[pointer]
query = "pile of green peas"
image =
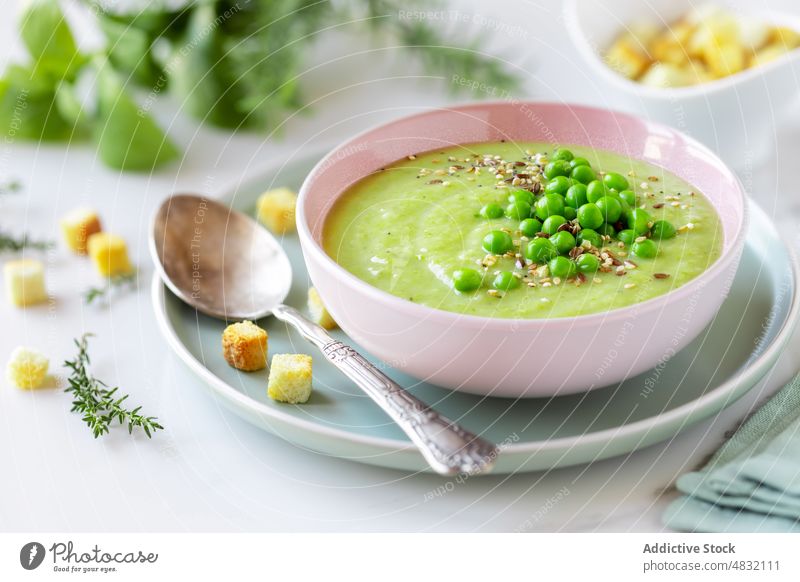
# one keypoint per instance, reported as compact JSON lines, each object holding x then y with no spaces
{"x":602,"y":206}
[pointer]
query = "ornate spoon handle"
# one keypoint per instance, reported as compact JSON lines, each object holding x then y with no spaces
{"x":448,"y":448}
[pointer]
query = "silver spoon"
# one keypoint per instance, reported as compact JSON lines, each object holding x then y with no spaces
{"x":224,"y":264}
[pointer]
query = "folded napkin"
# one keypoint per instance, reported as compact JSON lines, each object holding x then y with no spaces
{"x":752,"y":484}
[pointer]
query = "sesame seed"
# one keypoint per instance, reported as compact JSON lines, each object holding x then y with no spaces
{"x":629,"y":285}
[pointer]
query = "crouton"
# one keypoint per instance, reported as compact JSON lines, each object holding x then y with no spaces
{"x":25,"y":282}
{"x":290,"y":378}
{"x":244,"y":346}
{"x":27,"y":368}
{"x":110,"y":254}
{"x":276,"y":210}
{"x":77,"y":226}
{"x":316,"y":308}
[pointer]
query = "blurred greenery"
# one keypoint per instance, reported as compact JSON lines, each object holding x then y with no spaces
{"x":231,"y":64}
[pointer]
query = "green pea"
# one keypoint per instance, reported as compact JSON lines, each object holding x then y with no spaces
{"x":564,"y":241}
{"x":639,"y":220}
{"x":616,"y":181}
{"x":610,"y":208}
{"x":582,"y":174}
{"x":563,"y":154}
{"x":628,"y":196}
{"x":607,"y":230}
{"x":575,"y":162}
{"x":587,"y":263}
{"x":592,"y":236}
{"x":561,"y":267}
{"x":498,"y":242}
{"x":552,"y":223}
{"x":662,"y":229}
{"x":505,"y":281}
{"x":570,"y":213}
{"x":627,"y":236}
{"x":557,"y":168}
{"x":646,"y":249}
{"x":589,"y":216}
{"x":540,"y":250}
{"x":523,"y":195}
{"x":492,"y":210}
{"x":518,"y":210}
{"x":576,"y":195}
{"x":549,"y":205}
{"x":466,"y":280}
{"x":595,"y":190}
{"x":530,"y":226}
{"x":558,"y":185}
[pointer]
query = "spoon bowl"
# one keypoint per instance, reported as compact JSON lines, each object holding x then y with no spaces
{"x":221,"y":262}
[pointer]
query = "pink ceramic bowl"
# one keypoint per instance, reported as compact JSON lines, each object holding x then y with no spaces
{"x":521,"y":357}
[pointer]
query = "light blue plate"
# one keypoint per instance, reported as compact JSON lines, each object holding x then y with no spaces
{"x":728,"y":359}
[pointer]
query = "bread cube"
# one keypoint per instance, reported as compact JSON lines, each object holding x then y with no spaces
{"x":244,"y":346}
{"x":25,"y":282}
{"x":276,"y":210}
{"x":625,"y":59}
{"x":724,"y":59}
{"x":670,"y":46}
{"x":110,"y":254}
{"x":27,"y":368}
{"x":316,"y":308}
{"x":767,"y":54}
{"x":753,"y":33}
{"x":290,"y":378}
{"x":787,"y":37}
{"x":665,"y":75}
{"x":77,"y":226}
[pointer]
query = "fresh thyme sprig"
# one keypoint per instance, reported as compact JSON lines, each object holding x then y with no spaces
{"x":97,"y":402}
{"x":11,"y":243}
{"x":10,"y":187}
{"x":116,"y":282}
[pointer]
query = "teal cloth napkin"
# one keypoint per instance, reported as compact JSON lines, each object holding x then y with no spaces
{"x":752,"y":484}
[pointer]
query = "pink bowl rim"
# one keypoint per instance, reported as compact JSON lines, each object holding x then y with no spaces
{"x":310,"y":245}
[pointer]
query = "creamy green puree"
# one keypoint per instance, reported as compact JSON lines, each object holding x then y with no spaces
{"x":417,"y":229}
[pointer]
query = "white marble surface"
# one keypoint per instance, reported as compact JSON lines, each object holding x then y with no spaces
{"x":211,"y":471}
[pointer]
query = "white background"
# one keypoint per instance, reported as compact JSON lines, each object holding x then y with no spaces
{"x":211,"y":471}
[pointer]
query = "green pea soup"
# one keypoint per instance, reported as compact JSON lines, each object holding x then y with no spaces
{"x":407,"y":228}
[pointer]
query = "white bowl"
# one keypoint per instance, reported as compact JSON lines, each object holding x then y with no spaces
{"x":735,"y":116}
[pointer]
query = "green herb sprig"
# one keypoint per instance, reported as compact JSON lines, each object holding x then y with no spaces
{"x":10,"y":187}
{"x":98,"y":403}
{"x":13,"y":243}
{"x":117,"y":282}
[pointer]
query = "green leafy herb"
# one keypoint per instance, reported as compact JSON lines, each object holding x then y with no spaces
{"x":13,"y":243}
{"x":127,"y":138}
{"x":229,"y":63}
{"x":94,"y":293}
{"x":10,"y":187}
{"x":99,"y":405}
{"x":38,"y":101}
